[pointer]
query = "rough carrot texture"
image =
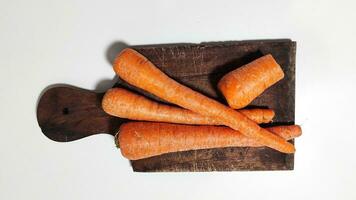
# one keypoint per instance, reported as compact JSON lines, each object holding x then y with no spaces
{"x":244,"y":84}
{"x":139,"y":140}
{"x":287,"y":132}
{"x":258,"y":115}
{"x":125,"y":104}
{"x":137,"y":70}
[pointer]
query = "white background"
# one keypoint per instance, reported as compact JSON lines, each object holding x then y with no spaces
{"x":47,"y":42}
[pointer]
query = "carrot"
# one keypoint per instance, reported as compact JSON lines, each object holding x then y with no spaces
{"x":137,"y":70}
{"x":244,"y":84}
{"x":139,"y":140}
{"x":258,"y":115}
{"x":287,"y":132}
{"x":125,"y":104}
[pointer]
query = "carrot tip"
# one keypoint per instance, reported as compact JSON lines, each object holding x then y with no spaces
{"x":299,"y":130}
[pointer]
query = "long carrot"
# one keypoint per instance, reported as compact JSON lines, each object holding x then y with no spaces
{"x":137,"y":70}
{"x":139,"y":140}
{"x":122,"y":103}
{"x":244,"y":84}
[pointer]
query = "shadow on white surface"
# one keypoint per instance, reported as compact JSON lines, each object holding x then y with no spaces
{"x":114,"y":49}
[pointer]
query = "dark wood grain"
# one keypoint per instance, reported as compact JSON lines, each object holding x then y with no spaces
{"x":222,"y":159}
{"x":66,"y":114}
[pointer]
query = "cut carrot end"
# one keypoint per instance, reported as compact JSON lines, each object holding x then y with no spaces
{"x":242,"y":85}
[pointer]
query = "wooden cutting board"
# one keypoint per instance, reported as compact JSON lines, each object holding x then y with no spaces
{"x":67,"y":113}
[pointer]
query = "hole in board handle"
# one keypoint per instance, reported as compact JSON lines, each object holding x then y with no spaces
{"x":65,"y":111}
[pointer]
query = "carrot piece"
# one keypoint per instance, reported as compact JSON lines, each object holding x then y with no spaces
{"x":137,"y":70}
{"x":244,"y":84}
{"x":287,"y":132}
{"x":122,"y":103}
{"x":258,"y":115}
{"x":139,"y":140}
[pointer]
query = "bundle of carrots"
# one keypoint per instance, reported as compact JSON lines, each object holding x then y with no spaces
{"x":197,"y":122}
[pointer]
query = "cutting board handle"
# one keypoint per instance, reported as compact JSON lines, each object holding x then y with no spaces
{"x":66,"y":113}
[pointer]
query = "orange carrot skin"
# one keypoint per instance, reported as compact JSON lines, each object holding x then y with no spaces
{"x":258,"y":115}
{"x":139,"y":140}
{"x":125,"y":104}
{"x":245,"y":83}
{"x":122,"y":103}
{"x":287,"y":132}
{"x":137,"y":70}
